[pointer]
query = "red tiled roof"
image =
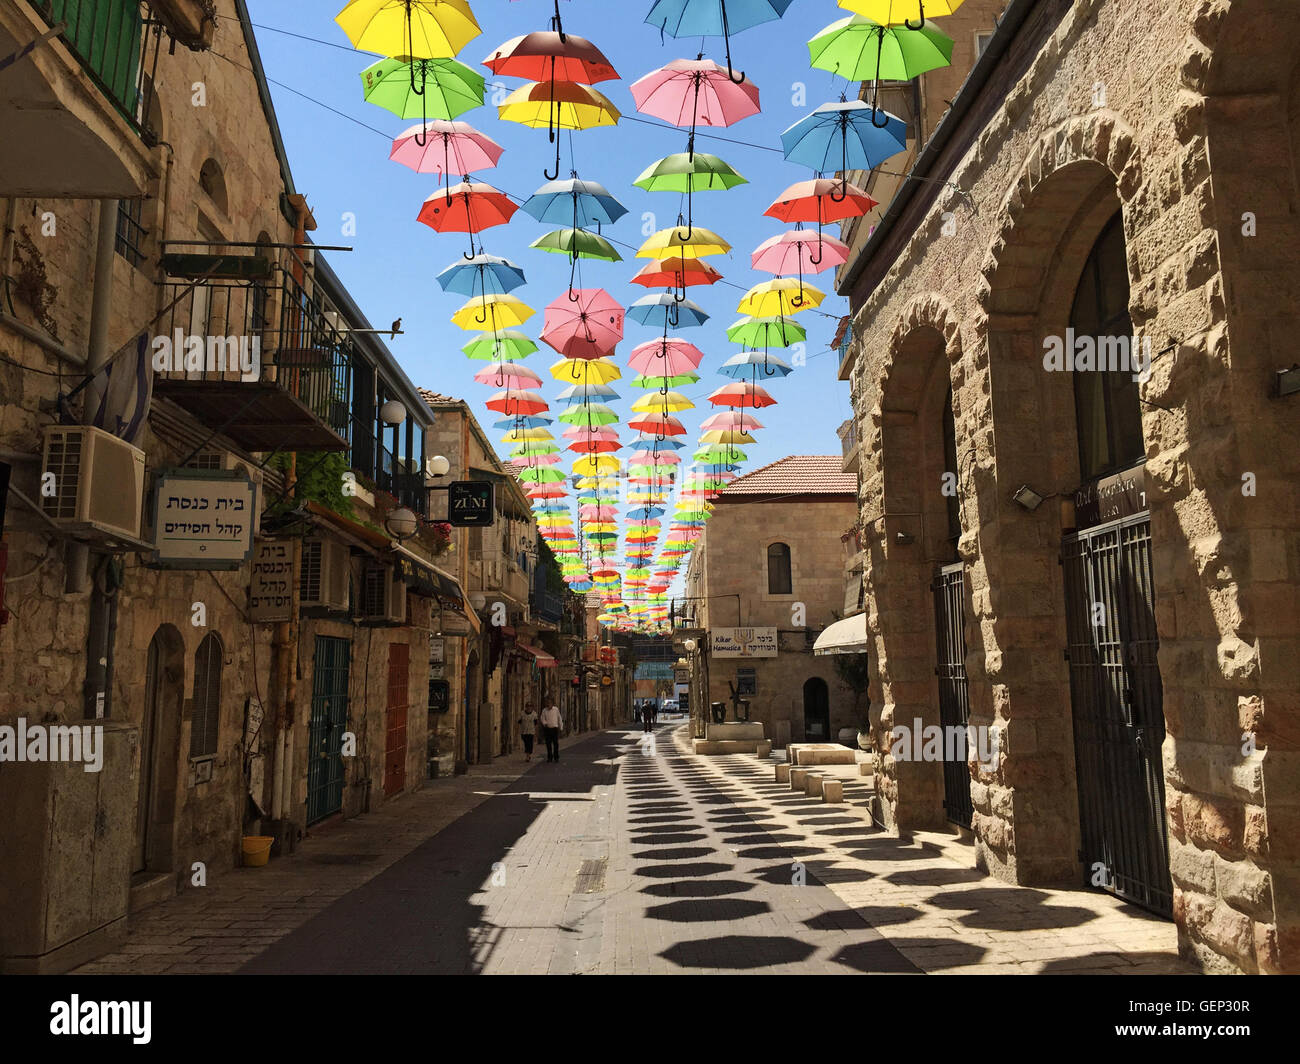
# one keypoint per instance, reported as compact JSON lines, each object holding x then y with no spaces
{"x":434,"y":398}
{"x":799,"y":474}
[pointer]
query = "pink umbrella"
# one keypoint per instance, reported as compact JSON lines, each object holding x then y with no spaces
{"x":659,"y":424}
{"x":603,"y":432}
{"x":730,"y":419}
{"x":507,"y":375}
{"x":587,"y":323}
{"x":796,"y":252}
{"x":666,"y":458}
{"x":516,"y":401}
{"x":668,"y":357}
{"x":738,"y":395}
{"x":442,"y":148}
{"x":695,"y":92}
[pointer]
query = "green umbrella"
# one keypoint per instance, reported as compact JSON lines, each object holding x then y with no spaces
{"x":684,"y":173}
{"x":720,"y":454}
{"x":450,"y":88}
{"x":589,"y":414}
{"x":767,"y":332}
{"x":662,"y":383}
{"x":542,"y":475}
{"x":859,"y":49}
{"x":578,"y":243}
{"x":504,"y":345}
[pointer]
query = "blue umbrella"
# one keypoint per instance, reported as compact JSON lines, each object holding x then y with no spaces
{"x":714,"y":18}
{"x":677,"y":314}
{"x":574,"y":203}
{"x":524,"y":421}
{"x":844,"y":136}
{"x":481,"y":275}
{"x":750,"y":364}
{"x":643,"y":441}
{"x":578,"y":393}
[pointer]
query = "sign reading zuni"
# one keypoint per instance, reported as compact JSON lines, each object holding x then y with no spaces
{"x":471,"y":504}
{"x":743,"y":642}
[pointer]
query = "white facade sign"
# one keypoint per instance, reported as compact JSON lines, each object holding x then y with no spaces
{"x":742,"y":642}
{"x":204,"y":519}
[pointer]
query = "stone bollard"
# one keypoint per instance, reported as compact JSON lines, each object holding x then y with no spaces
{"x":764,"y":748}
{"x":833,"y":791}
{"x":866,"y":768}
{"x":813,"y":785}
{"x":798,"y":778}
{"x":782,"y":773}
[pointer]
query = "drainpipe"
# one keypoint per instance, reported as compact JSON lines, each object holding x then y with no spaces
{"x":101,"y":626}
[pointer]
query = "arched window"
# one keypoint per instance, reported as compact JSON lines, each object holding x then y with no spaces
{"x":778,"y":570}
{"x":213,"y":182}
{"x":1107,"y":411}
{"x":206,"y":717}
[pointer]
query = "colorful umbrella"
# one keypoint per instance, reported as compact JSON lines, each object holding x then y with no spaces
{"x":482,"y":275}
{"x":662,"y":382}
{"x":860,"y":49}
{"x":678,"y":313}
{"x":549,"y":55}
{"x":730,"y":419}
{"x":665,"y":357}
{"x":662,"y":402}
{"x":673,"y":243}
{"x":767,"y":332}
{"x":779,"y":297}
{"x":517,"y":401}
{"x":753,"y":364}
{"x":590,"y":415}
{"x":912,"y":13}
{"x":793,"y":252}
{"x":445,"y":148}
{"x":738,"y":395}
{"x":844,"y":136}
{"x":558,"y":105}
{"x":686,"y":173}
{"x":496,"y":311}
{"x":498,"y":345}
{"x":695,"y":92}
{"x":714,"y":18}
{"x":411,"y":29}
{"x":467,"y":208}
{"x":447,"y":88}
{"x":659,"y":424}
{"x":580,"y":392}
{"x":679,"y":275}
{"x":577,"y":204}
{"x":577,"y":244}
{"x":507,"y":375}
{"x":821,"y":201}
{"x":594,"y":371}
{"x":586,"y":324}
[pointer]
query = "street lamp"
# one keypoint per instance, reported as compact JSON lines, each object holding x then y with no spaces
{"x":401,"y":523}
{"x":690,"y":646}
{"x":392,"y":413}
{"x":437,"y":466}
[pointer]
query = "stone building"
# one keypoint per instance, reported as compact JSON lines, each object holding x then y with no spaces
{"x":764,"y":579}
{"x":253,"y":678}
{"x":1098,"y":556}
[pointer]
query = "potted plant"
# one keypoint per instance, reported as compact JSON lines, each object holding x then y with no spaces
{"x":854,"y":671}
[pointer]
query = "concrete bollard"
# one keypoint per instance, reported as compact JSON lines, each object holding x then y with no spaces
{"x":813,"y":785}
{"x":764,"y":748}
{"x":798,"y":778}
{"x":782,"y":773}
{"x":833,"y":791}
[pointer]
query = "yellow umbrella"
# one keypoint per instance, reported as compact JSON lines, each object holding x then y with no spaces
{"x":895,"y":12}
{"x":662,"y":402}
{"x":594,"y":465}
{"x":418,"y":29}
{"x":585,"y":371}
{"x":518,"y":435}
{"x":558,"y":105}
{"x":726,"y":436}
{"x":492,"y":312}
{"x":682,"y":242}
{"x":780,"y":297}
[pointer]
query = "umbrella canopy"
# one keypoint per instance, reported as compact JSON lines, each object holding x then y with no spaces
{"x":726,"y":436}
{"x":695,"y":92}
{"x":541,"y":476}
{"x":482,"y":275}
{"x":469,"y":207}
{"x":677,"y":242}
{"x":579,"y":392}
{"x":579,"y":243}
{"x":911,"y":12}
{"x":860,"y":49}
{"x":665,"y":357}
{"x":662,"y":382}
{"x":415,"y":29}
{"x":823,"y":200}
{"x":681,"y":274}
{"x":530,"y":421}
{"x":595,"y":445}
{"x":584,"y":432}
{"x":679,"y":313}
{"x":494,"y":311}
{"x":730,"y":419}
{"x":593,"y":371}
{"x":587,"y":323}
{"x":517,"y":401}
{"x":547,"y":55}
{"x":659,"y":424}
{"x":686,"y":172}
{"x":767,"y":332}
{"x":750,"y":365}
{"x":798,"y":252}
{"x":662,"y":403}
{"x":597,"y":464}
{"x":507,"y":375}
{"x":738,"y":395}
{"x":590,"y":414}
{"x":710,"y":18}
{"x":422,"y":88}
{"x":779,"y":297}
{"x":442,"y":148}
{"x":500,"y":344}
{"x":558,"y":105}
{"x":577,"y":204}
{"x":844,"y":136}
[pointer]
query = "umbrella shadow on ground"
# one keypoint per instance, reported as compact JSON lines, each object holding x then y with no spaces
{"x":738,"y":952}
{"x":1011,"y":908}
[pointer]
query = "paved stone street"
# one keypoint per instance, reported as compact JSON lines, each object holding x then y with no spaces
{"x":625,"y":860}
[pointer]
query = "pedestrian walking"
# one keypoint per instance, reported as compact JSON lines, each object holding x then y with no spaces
{"x":529,"y":724}
{"x":551,"y":724}
{"x":647,"y":716}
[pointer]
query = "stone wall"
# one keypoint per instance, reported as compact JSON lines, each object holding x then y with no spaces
{"x":1180,"y":115}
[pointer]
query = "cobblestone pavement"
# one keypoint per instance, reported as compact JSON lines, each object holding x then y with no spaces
{"x":628,"y":859}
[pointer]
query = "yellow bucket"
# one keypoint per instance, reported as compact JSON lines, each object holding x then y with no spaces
{"x":257,"y":850}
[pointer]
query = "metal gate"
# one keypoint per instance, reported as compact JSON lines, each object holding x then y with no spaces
{"x":954,"y":693}
{"x":329,"y":718}
{"x":1119,"y":723}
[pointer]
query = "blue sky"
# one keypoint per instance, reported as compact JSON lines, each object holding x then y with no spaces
{"x":342,"y":167}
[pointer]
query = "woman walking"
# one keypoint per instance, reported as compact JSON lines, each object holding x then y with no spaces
{"x":529,"y":725}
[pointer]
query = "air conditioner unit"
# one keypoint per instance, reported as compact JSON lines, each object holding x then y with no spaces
{"x":325,"y":576}
{"x":383,"y":595}
{"x":98,"y":480}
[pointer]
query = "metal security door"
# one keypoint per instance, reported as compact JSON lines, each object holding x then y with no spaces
{"x":329,"y":717}
{"x":399,"y":696}
{"x":954,"y":693}
{"x":1119,"y":721}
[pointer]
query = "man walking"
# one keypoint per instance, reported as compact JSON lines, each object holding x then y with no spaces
{"x":551,"y":724}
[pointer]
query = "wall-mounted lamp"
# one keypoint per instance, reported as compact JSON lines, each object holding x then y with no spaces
{"x":392,"y":413}
{"x":1028,"y":497}
{"x":401,"y":523}
{"x":690,"y":645}
{"x":478,"y":601}
{"x":1288,"y":381}
{"x":437,"y":466}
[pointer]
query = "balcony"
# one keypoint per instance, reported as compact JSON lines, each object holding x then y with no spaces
{"x":547,"y":606}
{"x":75,"y":105}
{"x":403,"y":479}
{"x":493,"y":573}
{"x":276,"y":369}
{"x":848,"y":433}
{"x":854,"y":570}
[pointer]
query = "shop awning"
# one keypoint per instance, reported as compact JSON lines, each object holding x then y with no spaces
{"x":544,"y":660}
{"x":848,"y":636}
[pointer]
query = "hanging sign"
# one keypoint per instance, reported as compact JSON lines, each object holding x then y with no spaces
{"x":1111,"y":498}
{"x":471,"y":504}
{"x":203,"y":519}
{"x":270,"y":588}
{"x":742,"y":642}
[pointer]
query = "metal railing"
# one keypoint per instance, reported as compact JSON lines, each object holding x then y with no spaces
{"x":547,"y":605}
{"x":402,"y":479}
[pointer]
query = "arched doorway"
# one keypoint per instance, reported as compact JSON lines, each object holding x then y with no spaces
{"x":159,"y":744}
{"x":816,"y":710}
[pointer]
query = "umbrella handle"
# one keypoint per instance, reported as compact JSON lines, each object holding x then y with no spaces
{"x":726,"y":36}
{"x":920,"y":10}
{"x":546,"y":173}
{"x":821,"y":247}
{"x":672,"y":317}
{"x":878,"y":125}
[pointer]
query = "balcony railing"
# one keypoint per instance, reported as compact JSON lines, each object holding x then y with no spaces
{"x":547,"y":606}
{"x":403,"y":480}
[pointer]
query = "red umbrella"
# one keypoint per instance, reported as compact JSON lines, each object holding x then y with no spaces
{"x":680,"y":274}
{"x":660,"y":424}
{"x":821,"y":200}
{"x":739,"y":395}
{"x":516,"y":401}
{"x":586,"y":324}
{"x":469,"y":207}
{"x":548,"y":55}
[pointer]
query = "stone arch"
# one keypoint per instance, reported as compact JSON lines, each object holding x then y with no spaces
{"x":212,"y":181}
